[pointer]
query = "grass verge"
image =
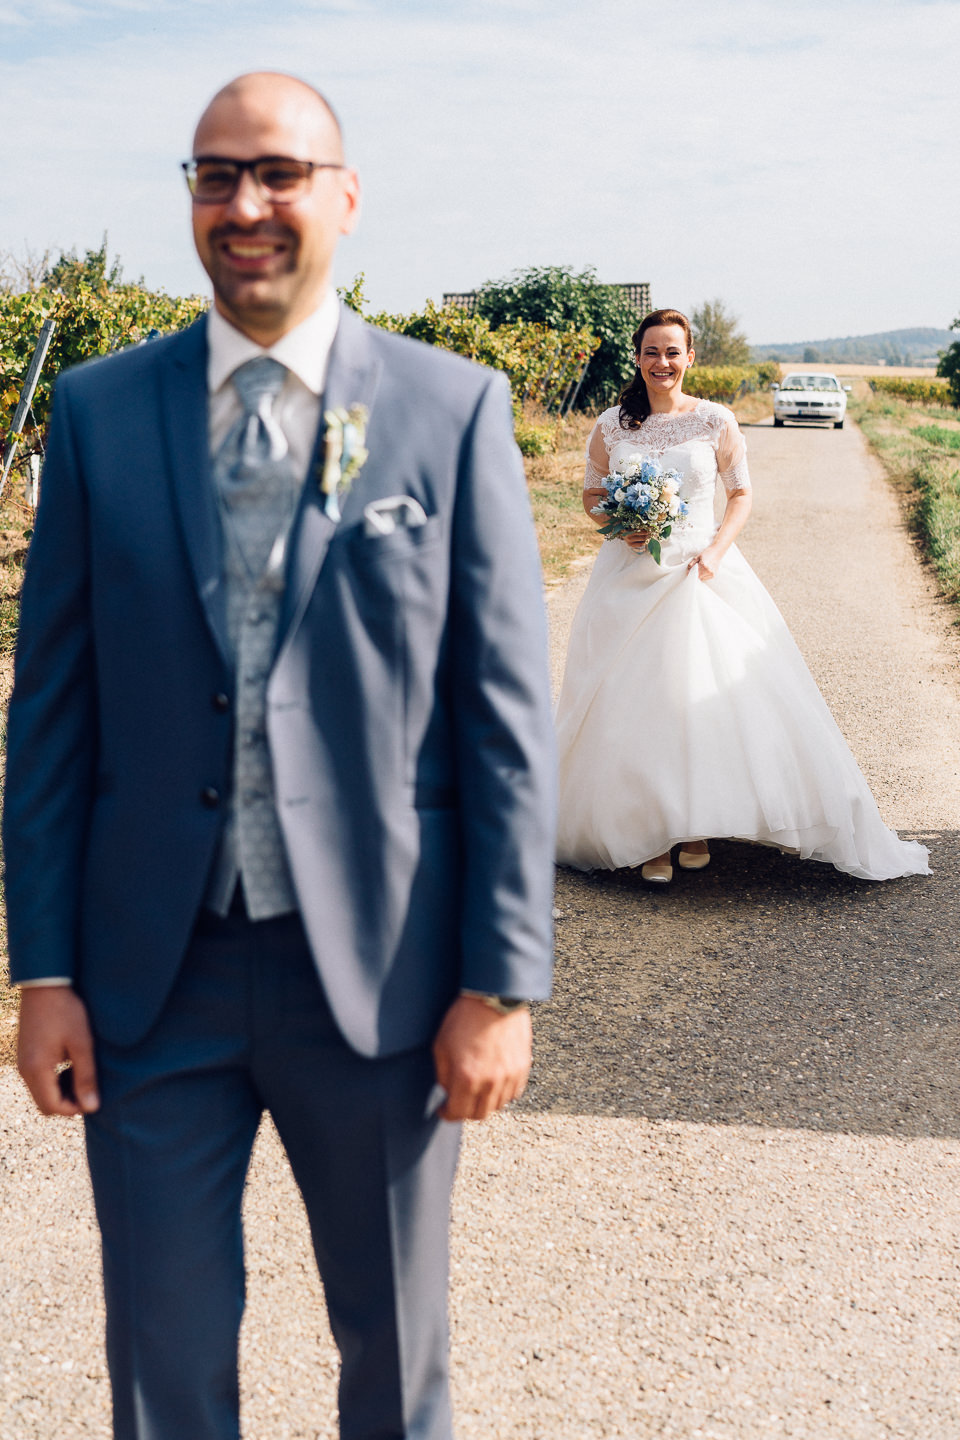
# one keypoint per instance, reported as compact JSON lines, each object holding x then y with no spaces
{"x":555,"y":481}
{"x":919,"y":447}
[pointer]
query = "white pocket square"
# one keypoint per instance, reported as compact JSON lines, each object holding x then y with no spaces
{"x":395,"y":512}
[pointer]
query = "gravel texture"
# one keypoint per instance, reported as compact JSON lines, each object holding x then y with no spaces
{"x":729,"y":1204}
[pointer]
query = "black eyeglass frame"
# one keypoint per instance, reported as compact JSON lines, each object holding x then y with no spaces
{"x":189,"y":168}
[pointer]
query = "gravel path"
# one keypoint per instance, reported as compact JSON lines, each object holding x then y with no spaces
{"x":729,"y":1204}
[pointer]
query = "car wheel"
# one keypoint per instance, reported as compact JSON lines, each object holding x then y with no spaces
{"x":777,"y":421}
{"x":838,"y":424}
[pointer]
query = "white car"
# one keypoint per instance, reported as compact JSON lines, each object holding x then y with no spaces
{"x":810,"y":395}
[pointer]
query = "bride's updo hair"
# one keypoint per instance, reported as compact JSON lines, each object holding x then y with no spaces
{"x":634,"y":400}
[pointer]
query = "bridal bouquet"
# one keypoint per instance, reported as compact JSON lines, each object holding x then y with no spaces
{"x":641,"y":495}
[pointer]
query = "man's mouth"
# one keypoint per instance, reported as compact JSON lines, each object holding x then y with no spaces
{"x":251,"y":249}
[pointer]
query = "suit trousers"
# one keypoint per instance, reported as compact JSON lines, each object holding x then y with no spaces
{"x":247,"y":1029}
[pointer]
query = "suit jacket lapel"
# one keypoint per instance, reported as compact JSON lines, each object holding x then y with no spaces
{"x":352,"y":378}
{"x":183,"y":384}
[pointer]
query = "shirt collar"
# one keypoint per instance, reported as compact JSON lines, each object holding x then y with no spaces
{"x":305,"y":349}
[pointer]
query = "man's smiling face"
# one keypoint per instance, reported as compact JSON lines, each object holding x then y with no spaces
{"x":270,"y":263}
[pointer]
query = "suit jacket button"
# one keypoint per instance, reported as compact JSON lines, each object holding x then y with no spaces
{"x":210,"y":796}
{"x":221,"y":702}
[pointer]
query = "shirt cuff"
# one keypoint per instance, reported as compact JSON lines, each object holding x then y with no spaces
{"x":51,"y":980}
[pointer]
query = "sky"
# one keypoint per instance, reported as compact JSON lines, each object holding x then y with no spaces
{"x":797,"y":162}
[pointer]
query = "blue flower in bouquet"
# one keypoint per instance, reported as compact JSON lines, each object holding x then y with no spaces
{"x":641,"y":495}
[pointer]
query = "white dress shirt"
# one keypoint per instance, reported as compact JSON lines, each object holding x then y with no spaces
{"x":305,"y":351}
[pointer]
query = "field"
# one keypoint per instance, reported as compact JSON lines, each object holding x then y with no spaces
{"x":919,"y":372}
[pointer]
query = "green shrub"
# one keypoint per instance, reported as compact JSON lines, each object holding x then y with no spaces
{"x":912,"y":389}
{"x":555,"y":297}
{"x":542,"y":363}
{"x":89,"y":322}
{"x":719,"y":382}
{"x":949,"y":367}
{"x":534,"y":439}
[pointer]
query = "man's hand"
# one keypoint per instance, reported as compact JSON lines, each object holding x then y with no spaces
{"x":54,"y":1031}
{"x":482,"y":1058}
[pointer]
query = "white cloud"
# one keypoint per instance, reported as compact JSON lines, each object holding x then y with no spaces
{"x":803,"y":173}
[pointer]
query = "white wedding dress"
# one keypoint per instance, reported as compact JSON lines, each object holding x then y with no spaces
{"x":687,"y":711}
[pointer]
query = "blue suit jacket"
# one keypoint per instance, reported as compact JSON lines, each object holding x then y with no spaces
{"x":408,"y":714}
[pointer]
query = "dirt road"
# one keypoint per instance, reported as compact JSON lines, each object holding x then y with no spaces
{"x":729,"y":1205}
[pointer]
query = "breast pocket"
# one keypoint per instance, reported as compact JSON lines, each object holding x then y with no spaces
{"x":405,"y":543}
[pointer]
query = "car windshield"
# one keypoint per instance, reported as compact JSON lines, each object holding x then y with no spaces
{"x":810,"y":382}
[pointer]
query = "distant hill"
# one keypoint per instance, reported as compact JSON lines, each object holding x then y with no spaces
{"x":890,"y":347}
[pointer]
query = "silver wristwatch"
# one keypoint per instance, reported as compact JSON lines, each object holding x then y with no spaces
{"x":503,"y":1004}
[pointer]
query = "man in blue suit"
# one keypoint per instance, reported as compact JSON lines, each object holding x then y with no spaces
{"x":278,"y":815}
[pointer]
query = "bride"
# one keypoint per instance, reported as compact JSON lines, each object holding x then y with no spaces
{"x":686,"y":710}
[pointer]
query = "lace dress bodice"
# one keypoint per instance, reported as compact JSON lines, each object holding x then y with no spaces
{"x":701,"y":444}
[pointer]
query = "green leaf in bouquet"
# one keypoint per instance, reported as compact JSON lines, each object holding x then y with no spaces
{"x":654,"y":548}
{"x":665,"y":531}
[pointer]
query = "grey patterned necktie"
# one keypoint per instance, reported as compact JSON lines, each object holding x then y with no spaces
{"x":257,"y":437}
{"x":253,"y":470}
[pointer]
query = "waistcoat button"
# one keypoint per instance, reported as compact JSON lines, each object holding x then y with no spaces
{"x":210,"y":796}
{"x":220,"y":702}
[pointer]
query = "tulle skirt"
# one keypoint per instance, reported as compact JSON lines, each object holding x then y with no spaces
{"x":687,"y":712}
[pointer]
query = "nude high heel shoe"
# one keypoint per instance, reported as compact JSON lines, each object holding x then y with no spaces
{"x":657,"y":872}
{"x":693,"y":859}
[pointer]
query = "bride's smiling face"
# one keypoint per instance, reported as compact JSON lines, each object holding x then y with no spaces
{"x":663,"y":359}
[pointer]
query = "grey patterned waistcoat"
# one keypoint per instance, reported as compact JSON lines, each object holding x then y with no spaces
{"x":257,"y":493}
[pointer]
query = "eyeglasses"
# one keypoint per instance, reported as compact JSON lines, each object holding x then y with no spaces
{"x":214,"y":181}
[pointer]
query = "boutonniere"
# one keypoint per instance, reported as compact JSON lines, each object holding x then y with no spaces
{"x":343,"y":454}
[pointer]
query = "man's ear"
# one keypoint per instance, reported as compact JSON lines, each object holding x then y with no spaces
{"x":352,"y":198}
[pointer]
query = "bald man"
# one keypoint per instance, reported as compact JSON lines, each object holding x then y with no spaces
{"x":278,"y":818}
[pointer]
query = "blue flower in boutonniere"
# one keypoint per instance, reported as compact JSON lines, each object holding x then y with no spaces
{"x":344,"y":454}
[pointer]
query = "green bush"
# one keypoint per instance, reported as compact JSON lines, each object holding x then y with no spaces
{"x":89,"y":322}
{"x":949,"y":367}
{"x":555,"y":297}
{"x":719,"y":382}
{"x":534,"y":439}
{"x":541,"y":363}
{"x":913,"y":390}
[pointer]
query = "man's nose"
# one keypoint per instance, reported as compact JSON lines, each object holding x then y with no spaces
{"x":249,"y":202}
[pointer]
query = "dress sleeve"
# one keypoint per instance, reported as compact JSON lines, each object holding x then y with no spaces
{"x":732,"y":456}
{"x":598,"y":461}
